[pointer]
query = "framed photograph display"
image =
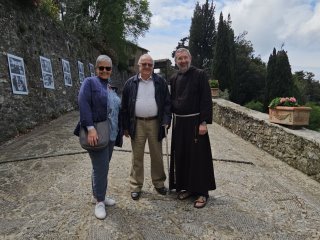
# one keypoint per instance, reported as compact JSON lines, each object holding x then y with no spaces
{"x":81,"y":71}
{"x":91,"y":68}
{"x":66,"y":73}
{"x":47,"y":75}
{"x":17,"y":75}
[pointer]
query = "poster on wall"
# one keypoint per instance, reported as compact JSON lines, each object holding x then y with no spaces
{"x":47,"y":75}
{"x":66,"y":73}
{"x":91,"y":68}
{"x":81,"y":71}
{"x":17,"y":75}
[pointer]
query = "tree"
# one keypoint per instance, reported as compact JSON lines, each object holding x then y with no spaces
{"x":279,"y":82}
{"x":181,"y":44}
{"x":306,"y":88}
{"x":224,"y":57}
{"x":108,"y":23}
{"x":202,"y":36}
{"x":250,"y":72}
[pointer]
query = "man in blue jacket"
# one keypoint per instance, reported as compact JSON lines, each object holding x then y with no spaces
{"x":146,"y":114}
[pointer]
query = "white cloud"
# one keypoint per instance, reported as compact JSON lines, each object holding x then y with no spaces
{"x":269,"y":23}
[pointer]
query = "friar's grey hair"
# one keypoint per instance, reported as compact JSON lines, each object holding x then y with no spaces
{"x":181,"y":50}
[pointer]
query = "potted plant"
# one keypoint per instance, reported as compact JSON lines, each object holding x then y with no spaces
{"x":287,"y":111}
{"x":214,"y":85}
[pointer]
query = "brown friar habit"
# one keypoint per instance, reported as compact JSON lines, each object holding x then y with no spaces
{"x":191,"y":166}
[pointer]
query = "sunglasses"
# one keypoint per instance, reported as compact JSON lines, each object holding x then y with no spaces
{"x":106,"y":68}
{"x":146,"y":64}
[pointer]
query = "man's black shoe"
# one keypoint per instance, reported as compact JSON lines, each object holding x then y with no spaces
{"x":162,"y":190}
{"x":135,"y":195}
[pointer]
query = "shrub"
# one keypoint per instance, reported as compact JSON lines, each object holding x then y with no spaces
{"x":255,"y":105}
{"x":224,"y":94}
{"x":214,"y":83}
{"x":50,"y":8}
{"x":314,"y":121}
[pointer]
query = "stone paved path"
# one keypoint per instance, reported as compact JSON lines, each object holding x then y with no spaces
{"x":45,"y":194}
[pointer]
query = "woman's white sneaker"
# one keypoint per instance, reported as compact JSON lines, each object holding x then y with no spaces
{"x":100,"y":210}
{"x":107,"y":201}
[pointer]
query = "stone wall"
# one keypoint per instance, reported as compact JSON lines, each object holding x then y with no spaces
{"x":299,"y":148}
{"x":29,"y":34}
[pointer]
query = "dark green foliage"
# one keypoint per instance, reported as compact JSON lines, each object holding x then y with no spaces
{"x":250,"y":72}
{"x":224,"y":57}
{"x":50,"y":8}
{"x":254,"y":105}
{"x":28,"y":3}
{"x":108,"y":23}
{"x":213,"y":83}
{"x":279,"y":80}
{"x":308,"y":88}
{"x":314,"y":121}
{"x":202,"y":36}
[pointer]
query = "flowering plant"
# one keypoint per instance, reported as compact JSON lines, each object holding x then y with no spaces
{"x":283,"y":101}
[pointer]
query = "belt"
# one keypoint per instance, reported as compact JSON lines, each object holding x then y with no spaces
{"x":187,"y":115}
{"x":147,"y":118}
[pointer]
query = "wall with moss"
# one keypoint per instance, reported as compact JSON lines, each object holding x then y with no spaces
{"x":27,"y":33}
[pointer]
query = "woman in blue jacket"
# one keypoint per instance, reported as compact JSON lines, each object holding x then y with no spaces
{"x":98,"y":102}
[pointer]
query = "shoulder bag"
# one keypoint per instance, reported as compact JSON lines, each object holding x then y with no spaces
{"x":102,"y":129}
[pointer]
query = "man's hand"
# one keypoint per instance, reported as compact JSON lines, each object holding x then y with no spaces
{"x":126,"y":133}
{"x":203,"y":129}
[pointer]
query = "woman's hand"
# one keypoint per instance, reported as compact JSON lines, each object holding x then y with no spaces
{"x":92,"y":137}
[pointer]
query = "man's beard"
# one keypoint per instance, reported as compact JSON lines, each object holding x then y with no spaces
{"x":184,"y":69}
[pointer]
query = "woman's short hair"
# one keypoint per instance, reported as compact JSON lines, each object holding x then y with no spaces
{"x":103,"y":58}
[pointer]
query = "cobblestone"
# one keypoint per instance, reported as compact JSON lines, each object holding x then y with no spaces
{"x":45,"y":193}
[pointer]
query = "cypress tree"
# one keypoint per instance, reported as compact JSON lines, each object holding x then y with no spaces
{"x":270,"y":79}
{"x":224,"y":56}
{"x":202,"y":35}
{"x":279,"y":81}
{"x":284,"y":76}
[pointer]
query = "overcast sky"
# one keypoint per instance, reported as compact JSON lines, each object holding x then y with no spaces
{"x":269,"y":24}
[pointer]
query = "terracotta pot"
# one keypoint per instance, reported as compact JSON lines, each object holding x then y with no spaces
{"x":215,"y":92}
{"x":294,"y":116}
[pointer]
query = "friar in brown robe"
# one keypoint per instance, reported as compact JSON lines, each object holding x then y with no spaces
{"x":191,"y":166}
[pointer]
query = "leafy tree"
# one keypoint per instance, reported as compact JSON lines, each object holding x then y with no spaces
{"x":306,"y":88}
{"x":108,"y":23}
{"x":250,"y":72}
{"x":202,"y":35}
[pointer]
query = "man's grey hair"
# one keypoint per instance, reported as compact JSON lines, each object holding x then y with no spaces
{"x":179,"y":50}
{"x":103,"y":58}
{"x":146,"y":55}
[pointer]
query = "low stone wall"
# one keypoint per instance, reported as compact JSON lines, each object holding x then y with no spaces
{"x":299,"y":148}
